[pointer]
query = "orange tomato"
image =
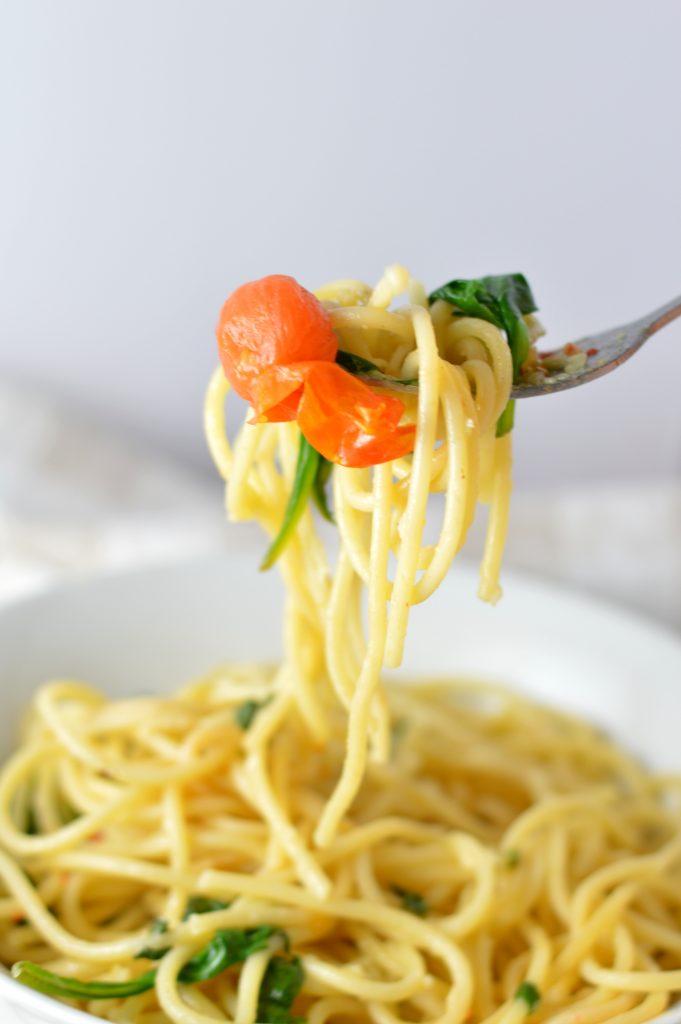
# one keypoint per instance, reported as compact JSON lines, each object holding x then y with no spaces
{"x":350,"y":424}
{"x":266,"y":328}
{"x":278,"y":350}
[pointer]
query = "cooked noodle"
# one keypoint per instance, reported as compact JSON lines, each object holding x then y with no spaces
{"x":448,"y":853}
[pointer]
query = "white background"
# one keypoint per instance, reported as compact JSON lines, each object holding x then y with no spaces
{"x":156,"y":153}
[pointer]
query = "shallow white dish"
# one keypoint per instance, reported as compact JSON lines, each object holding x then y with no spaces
{"x":154,"y":628}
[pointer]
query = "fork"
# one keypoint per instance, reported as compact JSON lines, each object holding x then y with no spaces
{"x":605,"y":352}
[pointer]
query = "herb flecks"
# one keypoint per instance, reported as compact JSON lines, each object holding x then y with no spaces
{"x":511,"y":857}
{"x":246,"y":712}
{"x":411,"y":901}
{"x":529,"y":994}
{"x":398,"y":730}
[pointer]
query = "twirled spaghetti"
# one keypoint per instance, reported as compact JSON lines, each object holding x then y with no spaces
{"x":303,"y":841}
{"x":464,"y":372}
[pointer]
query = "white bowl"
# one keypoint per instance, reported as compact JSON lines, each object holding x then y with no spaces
{"x":155,"y":628}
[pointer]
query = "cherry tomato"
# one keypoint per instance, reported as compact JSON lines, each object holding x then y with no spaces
{"x":278,"y":350}
{"x":350,"y":424}
{"x":266,"y":328}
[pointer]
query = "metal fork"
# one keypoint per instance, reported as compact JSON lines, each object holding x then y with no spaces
{"x":606,"y":351}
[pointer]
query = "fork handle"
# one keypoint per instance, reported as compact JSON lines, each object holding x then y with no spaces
{"x":660,"y":317}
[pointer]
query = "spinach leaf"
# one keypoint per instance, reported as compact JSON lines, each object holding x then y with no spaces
{"x":195,"y":905}
{"x":303,"y":481}
{"x":159,"y":927}
{"x":529,"y":994}
{"x":513,"y":290}
{"x":31,"y":827}
{"x":281,"y":984}
{"x":414,"y":902}
{"x":502,"y":300}
{"x":366,"y":370}
{"x":202,"y":905}
{"x":398,"y":730}
{"x":244,"y":715}
{"x":229,"y":946}
{"x":507,"y":419}
{"x":319,"y":495}
{"x":512,"y":857}
{"x":51,"y":984}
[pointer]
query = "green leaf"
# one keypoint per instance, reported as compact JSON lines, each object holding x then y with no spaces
{"x":51,"y":984}
{"x":399,"y":729}
{"x":246,"y":712}
{"x":515,"y":289}
{"x":270,"y":1013}
{"x":366,"y":370}
{"x":414,"y":902}
{"x":195,"y":905}
{"x":517,"y":334}
{"x":31,"y":827}
{"x":306,"y":470}
{"x":506,"y":420}
{"x":529,"y":994}
{"x":158,"y":927}
{"x":67,"y":813}
{"x":512,"y":857}
{"x":502,"y":300}
{"x":319,"y":495}
{"x":471,"y":298}
{"x":203,"y":905}
{"x":228,"y":946}
{"x":281,"y":984}
{"x":481,"y":296}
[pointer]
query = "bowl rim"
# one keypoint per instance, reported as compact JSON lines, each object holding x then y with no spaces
{"x":513,"y":579}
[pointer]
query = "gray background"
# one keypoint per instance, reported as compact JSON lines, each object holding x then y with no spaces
{"x":156,"y":153}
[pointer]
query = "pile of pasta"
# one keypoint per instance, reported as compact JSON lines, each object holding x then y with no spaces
{"x":305,"y":842}
{"x":503,"y":860}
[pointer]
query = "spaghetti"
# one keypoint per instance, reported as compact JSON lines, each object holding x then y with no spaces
{"x":271,"y":844}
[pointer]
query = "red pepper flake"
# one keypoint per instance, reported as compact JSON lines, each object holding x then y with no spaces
{"x":571,"y":350}
{"x":96,"y":837}
{"x":592,"y":352}
{"x":18,"y":917}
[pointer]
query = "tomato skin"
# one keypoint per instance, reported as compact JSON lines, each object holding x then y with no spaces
{"x":350,"y":424}
{"x":275,"y":394}
{"x":278,"y":350}
{"x":266,"y":327}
